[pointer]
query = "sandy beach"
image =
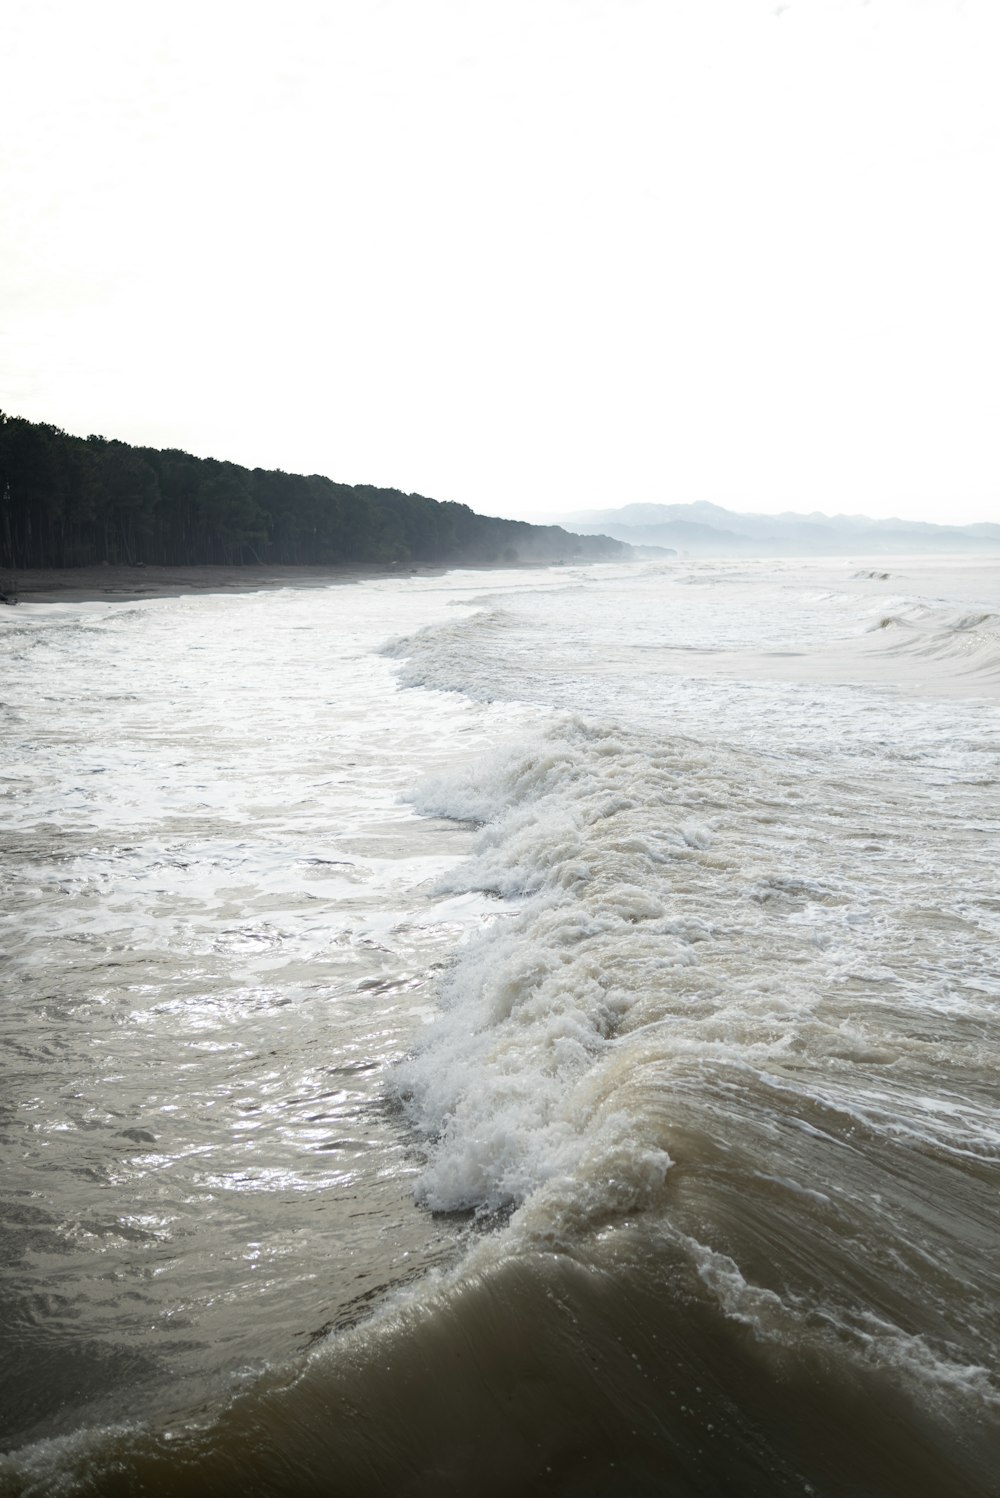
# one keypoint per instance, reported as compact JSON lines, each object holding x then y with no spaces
{"x":121,"y":584}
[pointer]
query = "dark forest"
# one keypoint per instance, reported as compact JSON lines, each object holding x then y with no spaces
{"x":72,"y":502}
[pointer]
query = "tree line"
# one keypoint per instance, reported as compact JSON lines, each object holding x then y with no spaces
{"x":75,"y":501}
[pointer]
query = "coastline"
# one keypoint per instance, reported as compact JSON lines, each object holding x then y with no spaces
{"x":111,"y":584}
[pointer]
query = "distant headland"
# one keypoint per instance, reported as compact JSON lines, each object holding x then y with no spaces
{"x":75,"y":502}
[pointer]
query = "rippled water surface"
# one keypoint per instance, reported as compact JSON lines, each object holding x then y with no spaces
{"x":536,"y":1029}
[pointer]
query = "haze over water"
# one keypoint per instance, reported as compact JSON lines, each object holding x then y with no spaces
{"x":517,"y":1032}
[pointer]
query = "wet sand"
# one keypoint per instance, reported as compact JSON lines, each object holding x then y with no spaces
{"x":123,"y":584}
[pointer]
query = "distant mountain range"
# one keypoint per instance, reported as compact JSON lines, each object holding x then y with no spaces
{"x":704,"y":529}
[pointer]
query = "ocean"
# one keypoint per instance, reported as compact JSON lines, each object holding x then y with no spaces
{"x":507,"y":1032}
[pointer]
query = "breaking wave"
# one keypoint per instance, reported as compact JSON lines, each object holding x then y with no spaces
{"x":968,"y":640}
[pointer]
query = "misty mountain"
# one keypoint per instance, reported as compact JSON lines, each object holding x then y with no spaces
{"x":704,"y":529}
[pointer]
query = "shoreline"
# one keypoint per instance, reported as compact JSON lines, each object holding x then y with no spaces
{"x":122,"y":584}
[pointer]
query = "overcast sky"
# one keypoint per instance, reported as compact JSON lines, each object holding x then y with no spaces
{"x":534,"y":255}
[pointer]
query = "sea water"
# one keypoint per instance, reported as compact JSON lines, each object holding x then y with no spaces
{"x":528,"y":1031}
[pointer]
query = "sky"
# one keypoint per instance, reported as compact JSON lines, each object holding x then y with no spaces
{"x":533,"y":255}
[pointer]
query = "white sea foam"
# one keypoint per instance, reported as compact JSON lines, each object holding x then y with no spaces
{"x":617,"y":895}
